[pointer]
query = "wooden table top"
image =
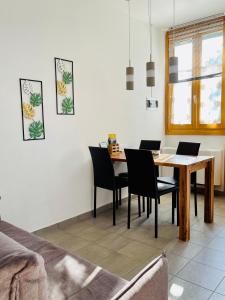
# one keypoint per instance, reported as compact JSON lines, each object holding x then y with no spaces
{"x":169,"y":160}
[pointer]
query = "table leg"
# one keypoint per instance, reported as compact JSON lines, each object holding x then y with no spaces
{"x":209,"y":192}
{"x":184,"y":204}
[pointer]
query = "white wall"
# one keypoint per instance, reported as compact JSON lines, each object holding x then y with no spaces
{"x":44,"y":182}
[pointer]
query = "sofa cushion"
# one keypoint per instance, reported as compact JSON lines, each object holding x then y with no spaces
{"x":69,"y":276}
{"x":151,"y":283}
{"x":22,"y":272}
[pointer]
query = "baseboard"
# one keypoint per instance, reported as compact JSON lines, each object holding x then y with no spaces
{"x":201,"y":190}
{"x":87,"y":215}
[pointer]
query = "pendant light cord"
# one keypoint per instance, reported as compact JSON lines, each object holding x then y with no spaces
{"x":174,"y":11}
{"x":129,"y":32}
{"x":150,"y":26}
{"x":150,"y":30}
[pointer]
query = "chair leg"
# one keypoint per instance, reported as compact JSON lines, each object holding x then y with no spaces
{"x":156,"y":217}
{"x":114,"y":207}
{"x":128,"y":211}
{"x":174,"y":199}
{"x":143,"y":203}
{"x":148,"y":207}
{"x":95,"y":195}
{"x":159,"y":200}
{"x":178,"y":208}
{"x":120,"y":196}
{"x":117,"y":202}
{"x":139,"y":206}
{"x":195,"y":198}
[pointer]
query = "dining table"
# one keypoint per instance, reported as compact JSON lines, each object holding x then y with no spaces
{"x":186,"y":165}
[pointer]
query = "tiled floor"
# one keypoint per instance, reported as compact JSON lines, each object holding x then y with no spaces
{"x":196,"y":268}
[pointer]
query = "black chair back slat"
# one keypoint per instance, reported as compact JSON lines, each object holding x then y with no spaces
{"x":186,"y":148}
{"x":150,"y":145}
{"x":104,"y":176}
{"x":141,"y":173}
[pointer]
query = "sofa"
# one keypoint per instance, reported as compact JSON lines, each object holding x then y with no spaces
{"x":32,"y":268}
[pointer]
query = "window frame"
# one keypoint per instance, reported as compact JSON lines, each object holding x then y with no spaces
{"x":195,"y":128}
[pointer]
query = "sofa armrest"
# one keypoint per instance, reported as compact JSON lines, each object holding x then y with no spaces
{"x":22,"y":272}
{"x":151,"y":283}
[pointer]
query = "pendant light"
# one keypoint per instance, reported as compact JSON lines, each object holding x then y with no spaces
{"x":173,"y":60}
{"x":129,"y":70}
{"x":150,"y":66}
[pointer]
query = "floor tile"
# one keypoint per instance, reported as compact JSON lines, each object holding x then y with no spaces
{"x":139,"y":251}
{"x":202,"y":275}
{"x":207,"y":228}
{"x":185,"y":249}
{"x":211,"y":258}
{"x":113,"y":241}
{"x":221,"y":288}
{"x":201,"y":238}
{"x":176,"y":263}
{"x":180,"y":289}
{"x":92,"y":234}
{"x":218,"y":244}
{"x":93,"y":253}
{"x":121,"y":265}
{"x":216,"y":296}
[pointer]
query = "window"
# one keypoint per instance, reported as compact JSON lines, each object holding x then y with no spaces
{"x":196,"y":103}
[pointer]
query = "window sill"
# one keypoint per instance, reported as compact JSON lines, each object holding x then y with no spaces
{"x":198,"y":131}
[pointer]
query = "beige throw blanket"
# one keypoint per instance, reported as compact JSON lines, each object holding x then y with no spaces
{"x":22,"y":272}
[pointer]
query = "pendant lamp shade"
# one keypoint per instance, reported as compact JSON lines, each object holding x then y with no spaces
{"x":150,"y":66}
{"x":173,"y":69}
{"x":150,"y":73}
{"x":130,"y":69}
{"x":173,"y":60}
{"x":130,"y":78}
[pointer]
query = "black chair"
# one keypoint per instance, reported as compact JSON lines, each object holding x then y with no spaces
{"x":104,"y":176}
{"x":147,"y":145}
{"x":142,"y":181}
{"x":184,"y":148}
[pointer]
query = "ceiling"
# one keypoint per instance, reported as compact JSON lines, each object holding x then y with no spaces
{"x":186,"y":10}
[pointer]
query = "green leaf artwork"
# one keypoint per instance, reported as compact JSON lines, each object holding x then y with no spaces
{"x":67,"y":105}
{"x":35,"y":99}
{"x":36,"y":130}
{"x":67,"y":77}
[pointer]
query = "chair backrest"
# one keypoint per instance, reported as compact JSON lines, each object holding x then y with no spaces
{"x":150,"y":145}
{"x":141,"y":173}
{"x":186,"y":148}
{"x":103,"y":168}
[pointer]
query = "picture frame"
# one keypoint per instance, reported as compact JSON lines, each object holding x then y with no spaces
{"x":32,"y":110}
{"x":64,"y":84}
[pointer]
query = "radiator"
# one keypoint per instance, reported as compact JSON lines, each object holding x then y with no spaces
{"x":219,"y":164}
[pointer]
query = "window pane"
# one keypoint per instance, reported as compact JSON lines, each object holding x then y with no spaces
{"x":184,"y":53}
{"x":181,"y":104}
{"x":212,"y":49}
{"x":210,"y":107}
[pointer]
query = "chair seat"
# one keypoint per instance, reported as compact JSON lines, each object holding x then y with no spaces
{"x":164,"y":188}
{"x":121,"y":182}
{"x":123,"y":174}
{"x":171,"y":180}
{"x":167,"y":180}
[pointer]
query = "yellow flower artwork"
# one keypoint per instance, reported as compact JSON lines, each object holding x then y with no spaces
{"x":28,"y":111}
{"x":61,"y":88}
